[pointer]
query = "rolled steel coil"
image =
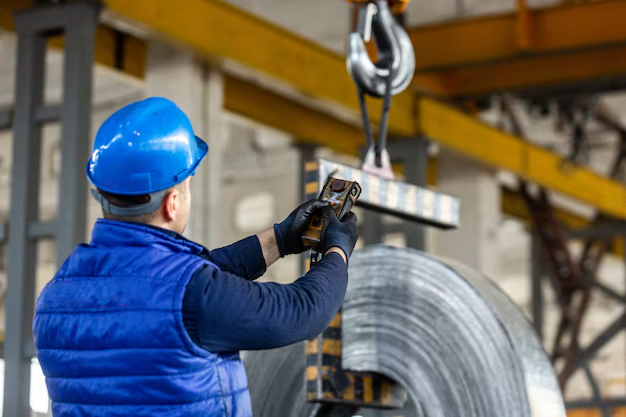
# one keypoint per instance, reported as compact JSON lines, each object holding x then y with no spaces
{"x":457,"y":344}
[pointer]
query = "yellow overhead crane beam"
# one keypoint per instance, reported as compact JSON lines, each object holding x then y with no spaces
{"x":466,"y":135}
{"x":207,"y":27}
{"x":526,"y":50}
{"x":497,"y":38}
{"x":570,"y":72}
{"x":302,"y":122}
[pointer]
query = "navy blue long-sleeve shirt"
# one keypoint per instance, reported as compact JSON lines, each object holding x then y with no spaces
{"x":225,"y":311}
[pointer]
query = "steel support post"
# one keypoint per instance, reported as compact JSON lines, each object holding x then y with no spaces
{"x":6,"y":118}
{"x":78,"y":21}
{"x":213,"y":99}
{"x":371,"y":230}
{"x":24,"y":209}
{"x":3,"y":233}
{"x":414,"y":157}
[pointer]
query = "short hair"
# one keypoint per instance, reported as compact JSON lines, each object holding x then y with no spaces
{"x":134,"y":200}
{"x":127,"y":201}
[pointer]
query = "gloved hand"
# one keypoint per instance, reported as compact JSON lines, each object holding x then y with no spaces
{"x":341,"y":234}
{"x":289,"y":232}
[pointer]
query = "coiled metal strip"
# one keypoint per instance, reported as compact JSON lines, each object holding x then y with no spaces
{"x":442,"y":330}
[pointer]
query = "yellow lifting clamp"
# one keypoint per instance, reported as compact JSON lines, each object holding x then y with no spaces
{"x":388,"y":76}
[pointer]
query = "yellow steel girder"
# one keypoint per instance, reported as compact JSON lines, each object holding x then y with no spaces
{"x":464,"y":134}
{"x":305,"y":124}
{"x":529,"y":74}
{"x":496,"y":38}
{"x":530,"y":50}
{"x":616,"y":412}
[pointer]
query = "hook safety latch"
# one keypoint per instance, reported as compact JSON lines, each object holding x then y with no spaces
{"x":388,"y":76}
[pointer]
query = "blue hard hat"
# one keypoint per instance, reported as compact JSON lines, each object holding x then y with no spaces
{"x":145,"y":147}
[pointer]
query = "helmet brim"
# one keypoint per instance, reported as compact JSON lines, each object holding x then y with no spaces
{"x":202,"y":151}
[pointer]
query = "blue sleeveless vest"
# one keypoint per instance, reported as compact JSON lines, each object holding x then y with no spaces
{"x":110,"y":336}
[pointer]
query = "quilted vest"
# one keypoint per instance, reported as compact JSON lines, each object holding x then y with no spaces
{"x":110,"y":337}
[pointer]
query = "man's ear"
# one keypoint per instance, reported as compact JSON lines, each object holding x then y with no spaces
{"x":171,"y":203}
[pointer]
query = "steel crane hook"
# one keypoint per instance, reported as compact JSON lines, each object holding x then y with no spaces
{"x":396,"y":63}
{"x":390,"y":75}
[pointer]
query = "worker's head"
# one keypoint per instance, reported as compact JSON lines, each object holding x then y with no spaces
{"x":144,"y":156}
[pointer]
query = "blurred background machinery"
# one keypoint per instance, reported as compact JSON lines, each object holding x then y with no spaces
{"x":517,"y":108}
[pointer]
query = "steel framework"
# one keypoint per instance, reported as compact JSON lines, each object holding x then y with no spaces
{"x":33,"y":26}
{"x":572,"y":279}
{"x":580,"y":357}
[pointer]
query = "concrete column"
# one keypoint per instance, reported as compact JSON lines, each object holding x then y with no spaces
{"x":475,"y":242}
{"x":212,"y":169}
{"x":198,"y":89}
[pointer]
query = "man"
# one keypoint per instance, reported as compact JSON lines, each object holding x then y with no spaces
{"x":143,"y":322}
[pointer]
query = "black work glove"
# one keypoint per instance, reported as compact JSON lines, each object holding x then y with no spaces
{"x":289,"y":232}
{"x":341,"y":234}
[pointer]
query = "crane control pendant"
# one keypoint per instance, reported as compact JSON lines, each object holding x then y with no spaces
{"x":342,"y":196}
